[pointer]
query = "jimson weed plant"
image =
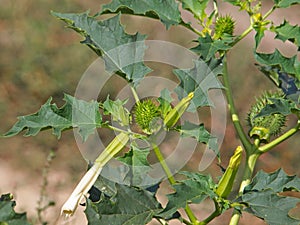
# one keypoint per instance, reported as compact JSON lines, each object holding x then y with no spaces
{"x":141,"y":127}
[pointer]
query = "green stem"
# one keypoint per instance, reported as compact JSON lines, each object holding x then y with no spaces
{"x":249,"y":169}
{"x":243,"y":35}
{"x":135,"y":95}
{"x":185,"y":221}
{"x":234,"y":116}
{"x":172,"y":181}
{"x":250,"y":28}
{"x":191,"y":215}
{"x":215,"y":213}
{"x":280,"y":139}
{"x":188,"y":26}
{"x":251,"y":160}
{"x":136,"y":135}
{"x":163,"y":163}
{"x":269,"y":12}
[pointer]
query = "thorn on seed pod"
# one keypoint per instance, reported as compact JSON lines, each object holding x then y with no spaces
{"x":224,"y":25}
{"x":146,"y":115}
{"x":263,"y":127}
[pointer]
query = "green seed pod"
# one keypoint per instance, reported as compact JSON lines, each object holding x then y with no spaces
{"x":224,"y":25}
{"x":146,"y":114}
{"x":264,"y":127}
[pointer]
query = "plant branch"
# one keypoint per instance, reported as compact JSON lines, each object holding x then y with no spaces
{"x":234,"y":116}
{"x":243,"y":35}
{"x":188,"y":26}
{"x":250,"y":28}
{"x":280,"y":139}
{"x":129,"y":132}
{"x":251,"y":159}
{"x":269,"y":12}
{"x":172,"y":181}
{"x":163,"y":163}
{"x":185,"y":221}
{"x":135,"y":95}
{"x":215,"y":213}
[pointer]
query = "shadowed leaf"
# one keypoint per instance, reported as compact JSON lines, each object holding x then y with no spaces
{"x":129,"y":206}
{"x":8,"y":216}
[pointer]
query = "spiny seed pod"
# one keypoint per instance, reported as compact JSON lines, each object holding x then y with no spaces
{"x":145,"y":114}
{"x":264,"y":127}
{"x":224,"y":25}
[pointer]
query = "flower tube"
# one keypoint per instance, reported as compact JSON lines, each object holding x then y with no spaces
{"x":88,"y":180}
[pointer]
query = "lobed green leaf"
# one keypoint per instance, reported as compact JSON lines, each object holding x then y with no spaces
{"x":279,"y":105}
{"x":138,"y":167}
{"x":195,"y":189}
{"x":8,"y":216}
{"x":74,"y":113}
{"x":123,"y":53}
{"x":129,"y":206}
{"x":117,"y":110}
{"x":267,"y":205}
{"x":165,"y":10}
{"x":286,"y":31}
{"x":199,"y":79}
{"x":165,"y":100}
{"x":196,"y":7}
{"x":200,"y":134}
{"x":260,"y":33}
{"x":262,"y":199}
{"x":278,"y":181}
{"x":285,"y":3}
{"x":276,"y":59}
{"x":207,"y":47}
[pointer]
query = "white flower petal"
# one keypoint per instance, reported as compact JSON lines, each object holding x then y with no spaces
{"x":81,"y":190}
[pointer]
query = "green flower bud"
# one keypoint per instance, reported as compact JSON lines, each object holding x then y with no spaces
{"x":264,"y":127}
{"x":226,"y":181}
{"x":174,"y":114}
{"x":224,"y":25}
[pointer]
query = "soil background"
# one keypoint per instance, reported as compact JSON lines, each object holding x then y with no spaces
{"x":39,"y":58}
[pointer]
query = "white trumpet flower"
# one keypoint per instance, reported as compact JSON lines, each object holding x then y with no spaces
{"x":81,"y":190}
{"x":88,"y":180}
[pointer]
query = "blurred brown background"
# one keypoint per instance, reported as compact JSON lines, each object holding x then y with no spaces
{"x":39,"y":58}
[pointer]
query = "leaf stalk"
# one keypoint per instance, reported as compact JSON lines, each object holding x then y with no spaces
{"x":172,"y":181}
{"x":283,"y":137}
